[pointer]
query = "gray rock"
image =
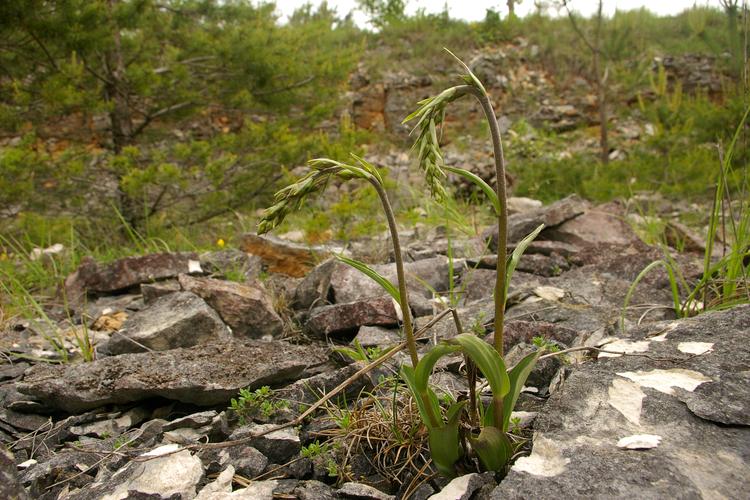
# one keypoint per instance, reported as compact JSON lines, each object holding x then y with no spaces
{"x":127,"y":273}
{"x":247,"y":309}
{"x":203,"y":375}
{"x":350,"y":285}
{"x":193,"y":421}
{"x":314,"y":490}
{"x":463,"y":487}
{"x":246,"y":460}
{"x":601,"y":224}
{"x":523,"y":223}
{"x":24,"y":421}
{"x":377,"y":336}
{"x":113,"y":426}
{"x":315,"y":288}
{"x":152,"y":291}
{"x":186,"y":436}
{"x":579,"y":447}
{"x":9,"y":372}
{"x":163,"y":476}
{"x":343,"y":319}
{"x":308,"y":390}
{"x":232,"y":261}
{"x":279,"y":446}
{"x":39,"y":477}
{"x":542,"y":373}
{"x":10,"y":487}
{"x":359,"y":491}
{"x":181,"y":319}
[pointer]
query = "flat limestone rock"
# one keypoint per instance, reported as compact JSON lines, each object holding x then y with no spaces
{"x":696,"y":405}
{"x":204,"y":375}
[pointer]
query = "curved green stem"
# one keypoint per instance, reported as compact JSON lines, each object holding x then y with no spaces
{"x":404,"y":302}
{"x":502,"y":230}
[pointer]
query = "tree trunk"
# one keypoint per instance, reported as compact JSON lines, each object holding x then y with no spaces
{"x":120,"y":115}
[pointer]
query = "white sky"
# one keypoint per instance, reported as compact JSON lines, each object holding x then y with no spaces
{"x":474,"y":10}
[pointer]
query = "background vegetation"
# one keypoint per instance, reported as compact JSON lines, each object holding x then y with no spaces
{"x":128,"y":125}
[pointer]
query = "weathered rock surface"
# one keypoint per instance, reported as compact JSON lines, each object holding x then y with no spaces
{"x":464,"y":487}
{"x":280,"y":256}
{"x":180,"y":319}
{"x":152,"y":291}
{"x":203,"y":375}
{"x":523,"y":223}
{"x":279,"y":446}
{"x":128,"y":272}
{"x":601,"y":224}
{"x":343,"y":319}
{"x":359,"y":491}
{"x":245,"y":308}
{"x":10,"y":486}
{"x":350,"y":285}
{"x":685,"y":411}
{"x":237,"y":262}
{"x":174,"y":475}
{"x":314,"y":289}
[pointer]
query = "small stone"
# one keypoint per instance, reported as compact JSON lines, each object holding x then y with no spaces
{"x":377,"y":336}
{"x":463,"y":487}
{"x":279,"y":446}
{"x":359,"y":491}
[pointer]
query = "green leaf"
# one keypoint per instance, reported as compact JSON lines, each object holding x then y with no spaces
{"x":445,"y":446}
{"x":422,"y":398}
{"x":479,"y":182}
{"x":487,"y":360}
{"x":517,"y":377}
{"x":373,"y":275}
{"x":521,"y":247}
{"x":493,"y":447}
{"x":427,"y":363}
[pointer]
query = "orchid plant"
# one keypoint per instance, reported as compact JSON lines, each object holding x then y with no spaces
{"x":490,"y":443}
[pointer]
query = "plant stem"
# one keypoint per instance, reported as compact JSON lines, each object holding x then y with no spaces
{"x":502,"y":232}
{"x":502,"y":217}
{"x":404,"y":299}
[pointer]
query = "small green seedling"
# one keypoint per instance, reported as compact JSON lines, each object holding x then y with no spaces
{"x":252,"y":403}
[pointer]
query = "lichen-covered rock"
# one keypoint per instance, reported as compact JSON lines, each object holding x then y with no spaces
{"x":205,"y":375}
{"x":161,"y":473}
{"x":644,"y":426}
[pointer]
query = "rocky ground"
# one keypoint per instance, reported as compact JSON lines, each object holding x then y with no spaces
{"x":662,"y":414}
